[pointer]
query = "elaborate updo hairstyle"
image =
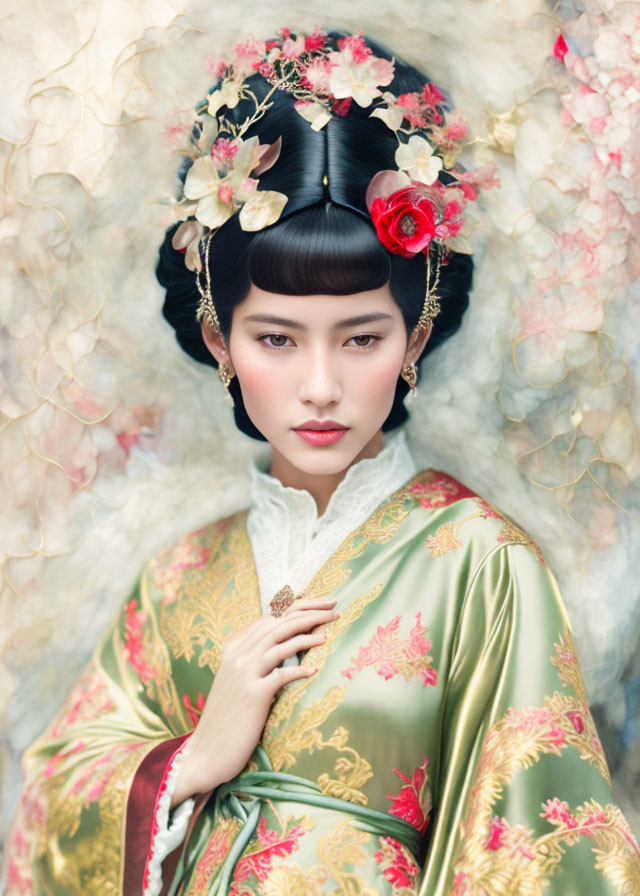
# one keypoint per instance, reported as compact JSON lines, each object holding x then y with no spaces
{"x":324,"y":241}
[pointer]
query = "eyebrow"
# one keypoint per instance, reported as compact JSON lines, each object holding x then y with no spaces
{"x":339,"y":325}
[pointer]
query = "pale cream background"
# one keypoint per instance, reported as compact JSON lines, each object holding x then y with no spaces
{"x":113,"y":443}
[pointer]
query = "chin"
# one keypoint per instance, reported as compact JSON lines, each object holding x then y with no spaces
{"x":325,"y":460}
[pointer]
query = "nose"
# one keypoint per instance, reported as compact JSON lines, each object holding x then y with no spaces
{"x":319,"y":379}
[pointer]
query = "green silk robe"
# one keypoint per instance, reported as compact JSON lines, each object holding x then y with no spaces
{"x":448,"y":695}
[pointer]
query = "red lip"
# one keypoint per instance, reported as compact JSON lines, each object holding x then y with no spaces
{"x":320,"y":425}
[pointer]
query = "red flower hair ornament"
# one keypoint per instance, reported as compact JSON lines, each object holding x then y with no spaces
{"x":412,"y":210}
{"x":405,"y":219}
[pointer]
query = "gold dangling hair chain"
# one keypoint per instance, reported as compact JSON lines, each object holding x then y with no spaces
{"x":206,"y":308}
{"x":431,"y":307}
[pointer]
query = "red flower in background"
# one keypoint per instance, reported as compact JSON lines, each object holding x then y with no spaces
{"x":560,"y":47}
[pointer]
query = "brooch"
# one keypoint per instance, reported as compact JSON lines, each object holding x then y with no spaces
{"x":283,"y":599}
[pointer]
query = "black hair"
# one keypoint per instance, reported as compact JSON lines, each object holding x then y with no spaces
{"x":324,"y":241}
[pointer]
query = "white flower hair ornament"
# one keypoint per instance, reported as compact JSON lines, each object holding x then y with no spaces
{"x":412,"y":210}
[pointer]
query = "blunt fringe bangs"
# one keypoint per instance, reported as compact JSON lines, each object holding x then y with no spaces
{"x":322,"y":250}
{"x":325,"y":241}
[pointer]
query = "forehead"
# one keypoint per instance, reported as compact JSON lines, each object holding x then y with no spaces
{"x":317,"y":310}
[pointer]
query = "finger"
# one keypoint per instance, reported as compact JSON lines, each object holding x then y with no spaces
{"x":282,"y":675}
{"x":280,"y":652}
{"x":295,"y":623}
{"x":251,"y":643}
{"x":254,"y":632}
{"x":311,"y":603}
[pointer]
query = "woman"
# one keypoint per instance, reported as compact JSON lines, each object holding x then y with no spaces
{"x":365,"y":682}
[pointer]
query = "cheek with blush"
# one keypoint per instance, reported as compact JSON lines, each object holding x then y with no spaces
{"x":379,"y":385}
{"x":262,"y":393}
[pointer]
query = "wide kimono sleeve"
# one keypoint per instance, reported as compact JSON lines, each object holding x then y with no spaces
{"x":93,"y":781}
{"x":523,"y":800}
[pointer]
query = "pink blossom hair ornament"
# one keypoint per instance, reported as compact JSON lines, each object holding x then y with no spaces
{"x":413,"y":212}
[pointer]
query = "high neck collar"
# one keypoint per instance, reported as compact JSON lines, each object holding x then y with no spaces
{"x":393,"y":461}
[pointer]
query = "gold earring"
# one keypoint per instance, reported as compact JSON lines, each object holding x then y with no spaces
{"x":226,"y":376}
{"x":410,"y":375}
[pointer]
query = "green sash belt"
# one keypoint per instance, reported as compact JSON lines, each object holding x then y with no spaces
{"x":267,"y":784}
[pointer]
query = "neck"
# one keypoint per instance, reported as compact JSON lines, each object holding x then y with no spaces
{"x":321,"y":485}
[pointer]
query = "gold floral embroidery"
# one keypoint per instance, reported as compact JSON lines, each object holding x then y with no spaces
{"x":210,"y":608}
{"x":351,"y":771}
{"x":512,"y":862}
{"x":581,"y":732}
{"x":282,"y":710}
{"x":160,"y":686}
{"x":511,"y":533}
{"x":94,"y":860}
{"x":434,"y":488}
{"x":445,"y":539}
{"x":304,"y":733}
{"x":291,"y":880}
{"x":340,"y":852}
{"x":274,"y":839}
{"x":213,"y":856}
{"x":88,"y":700}
{"x":191,"y":552}
{"x":379,"y":528}
{"x":91,"y":776}
{"x":342,"y":848}
{"x":566,"y":662}
{"x":500,"y":858}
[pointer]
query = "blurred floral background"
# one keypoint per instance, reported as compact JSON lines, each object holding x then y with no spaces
{"x":112,"y":444}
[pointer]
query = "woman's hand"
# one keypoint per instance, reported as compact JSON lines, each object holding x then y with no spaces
{"x":245,"y":686}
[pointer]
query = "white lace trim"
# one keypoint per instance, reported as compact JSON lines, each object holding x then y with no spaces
{"x":169,"y":834}
{"x":290,"y":542}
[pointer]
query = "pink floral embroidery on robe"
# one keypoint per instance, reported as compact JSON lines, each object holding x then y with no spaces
{"x":391,"y":655}
{"x":413,"y":803}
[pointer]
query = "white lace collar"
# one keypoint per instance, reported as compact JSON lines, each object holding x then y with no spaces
{"x":290,"y":541}
{"x":372,"y":473}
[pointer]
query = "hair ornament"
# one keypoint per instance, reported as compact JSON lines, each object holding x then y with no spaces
{"x":412,"y":210}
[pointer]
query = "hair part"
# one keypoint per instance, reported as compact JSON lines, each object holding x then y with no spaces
{"x":324,"y":242}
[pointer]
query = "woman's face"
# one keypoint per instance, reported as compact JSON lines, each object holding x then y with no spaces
{"x":303,"y":362}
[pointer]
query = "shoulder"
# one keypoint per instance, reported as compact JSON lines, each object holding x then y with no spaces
{"x":500,"y":570}
{"x":456,"y":515}
{"x":190,"y":556}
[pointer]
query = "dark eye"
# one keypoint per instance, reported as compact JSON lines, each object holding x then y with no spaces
{"x":274,"y":340}
{"x":368,"y":340}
